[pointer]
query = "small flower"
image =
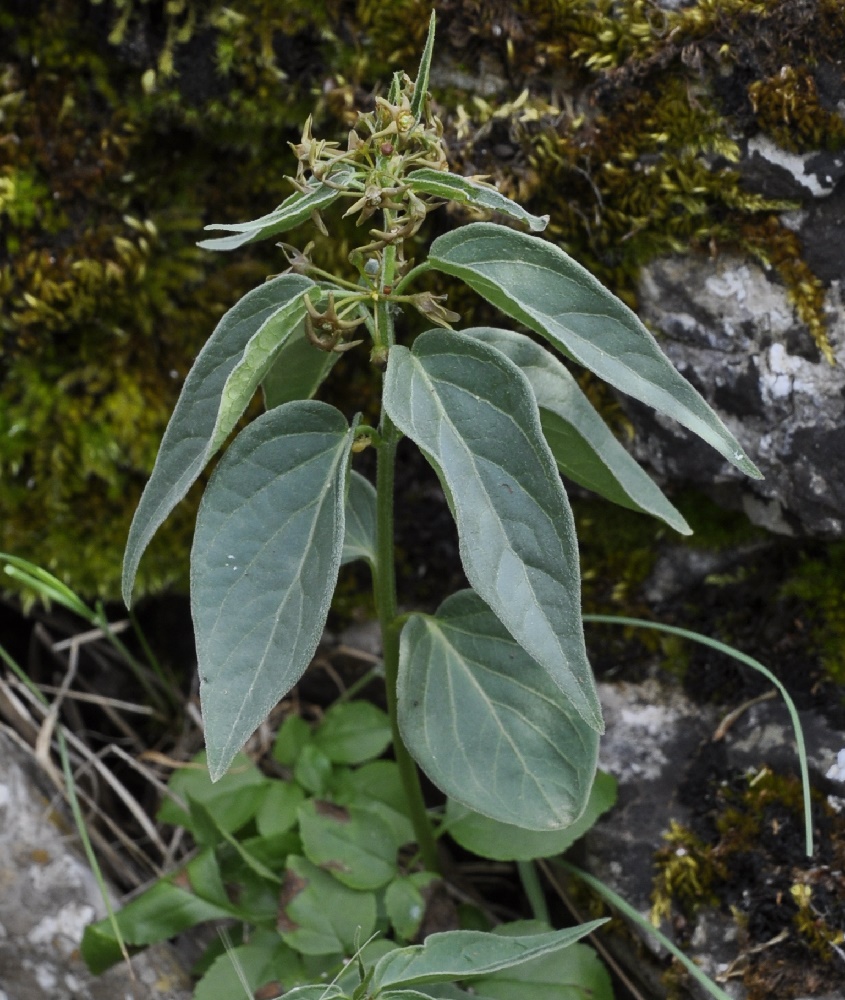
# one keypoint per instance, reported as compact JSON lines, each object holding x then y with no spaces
{"x":429,"y":305}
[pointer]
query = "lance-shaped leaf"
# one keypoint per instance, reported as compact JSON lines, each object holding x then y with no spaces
{"x":264,"y":565}
{"x":421,"y":83}
{"x":360,"y":539}
{"x":297,"y":370}
{"x":292,"y":212}
{"x":466,"y":191}
{"x":455,"y":955}
{"x":263,"y":316}
{"x":473,"y":414}
{"x":581,"y":442}
{"x":518,"y":752}
{"x":538,"y":284}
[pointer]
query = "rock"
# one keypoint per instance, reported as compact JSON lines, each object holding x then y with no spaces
{"x":729,"y":327}
{"x":48,"y":895}
{"x":660,"y":745}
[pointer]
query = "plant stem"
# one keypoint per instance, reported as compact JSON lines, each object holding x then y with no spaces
{"x":533,"y":890}
{"x":385,"y":598}
{"x":384,"y":588}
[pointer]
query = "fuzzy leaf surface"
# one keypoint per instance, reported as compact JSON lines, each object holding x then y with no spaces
{"x":576,"y":974}
{"x":297,"y":370}
{"x":264,"y":565}
{"x":518,"y":751}
{"x":473,"y":414}
{"x":359,"y":542}
{"x":538,"y":284}
{"x":187,"y":444}
{"x":424,"y":71}
{"x":506,"y":842}
{"x":293,"y":211}
{"x":466,"y":191}
{"x":459,"y":955}
{"x":581,"y":442}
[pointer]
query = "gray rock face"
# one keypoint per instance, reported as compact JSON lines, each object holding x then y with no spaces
{"x":47,"y":896}
{"x":655,"y":736}
{"x":729,"y":327}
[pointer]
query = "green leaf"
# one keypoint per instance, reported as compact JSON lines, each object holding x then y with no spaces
{"x":163,"y":911}
{"x":297,"y":371}
{"x":234,"y":799}
{"x":466,"y":191}
{"x":320,"y":916}
{"x":576,"y":974}
{"x":473,"y":414}
{"x":293,"y":211}
{"x":45,"y":585}
{"x":581,"y":442}
{"x":293,"y":736}
{"x":353,"y":732}
{"x":518,"y":752}
{"x":313,"y":770}
{"x":248,"y":967}
{"x":405,"y":903}
{"x":355,"y":844}
{"x":538,"y":284}
{"x":506,"y":842}
{"x":272,"y":310}
{"x":277,"y":812}
{"x":463,"y":954}
{"x":380,"y":786}
{"x":424,"y":71}
{"x":264,"y":565}
{"x":360,"y":539}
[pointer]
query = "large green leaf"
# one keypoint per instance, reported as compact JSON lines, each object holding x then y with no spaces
{"x":264,"y":565}
{"x":519,"y":752}
{"x":507,"y":842}
{"x":575,"y":974}
{"x":234,"y":799}
{"x":267,"y":314}
{"x":473,"y":414}
{"x":360,"y":539}
{"x":293,"y":211}
{"x":297,"y":370}
{"x":466,"y":191}
{"x":581,"y":442}
{"x":538,"y":284}
{"x":463,"y":954}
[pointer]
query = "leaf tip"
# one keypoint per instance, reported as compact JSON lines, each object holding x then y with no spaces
{"x":538,"y":223}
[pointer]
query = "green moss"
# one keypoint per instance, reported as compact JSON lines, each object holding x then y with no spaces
{"x":818,"y":581}
{"x":145,"y":119}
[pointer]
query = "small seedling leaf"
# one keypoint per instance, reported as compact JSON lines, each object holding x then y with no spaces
{"x":320,"y":916}
{"x":353,"y":732}
{"x":356,"y":845}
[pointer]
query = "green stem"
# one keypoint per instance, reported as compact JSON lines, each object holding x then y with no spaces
{"x":533,"y":890}
{"x":385,"y":597}
{"x":384,"y":587}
